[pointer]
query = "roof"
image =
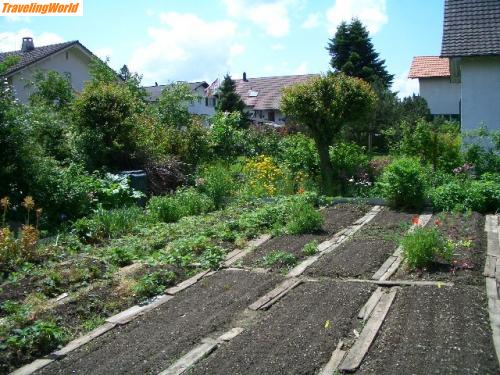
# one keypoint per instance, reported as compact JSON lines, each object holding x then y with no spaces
{"x":37,"y":54}
{"x":471,"y":28}
{"x":265,"y":92}
{"x":154,"y":92}
{"x":429,"y":67}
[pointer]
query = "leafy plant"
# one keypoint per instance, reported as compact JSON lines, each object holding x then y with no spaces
{"x":279,"y":259}
{"x":212,"y":257}
{"x":121,"y":256}
{"x":37,"y":339}
{"x":154,"y":284}
{"x":310,"y":248}
{"x":216,"y":182}
{"x":403,"y":183}
{"x":303,"y":218}
{"x":422,"y":246}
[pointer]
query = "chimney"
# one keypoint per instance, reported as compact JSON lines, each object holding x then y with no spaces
{"x":245,"y":77}
{"x":27,"y":45}
{"x":156,"y":83}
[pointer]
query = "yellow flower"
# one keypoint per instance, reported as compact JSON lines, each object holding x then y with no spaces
{"x":28,"y":203}
{"x":5,"y":203}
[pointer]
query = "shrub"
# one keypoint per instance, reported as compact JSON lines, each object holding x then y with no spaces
{"x":121,"y":256}
{"x":310,"y":248}
{"x":422,"y":246}
{"x":216,"y":182}
{"x":483,"y":196}
{"x":184,"y":202}
{"x":264,"y":177}
{"x":299,"y":154}
{"x":403,"y":183}
{"x":184,"y":251}
{"x":212,"y":257}
{"x":106,"y":224}
{"x":484,"y":161}
{"x":303,"y":218}
{"x":279,"y":259}
{"x":165,"y":176}
{"x":154,"y":284}
{"x":227,"y":138}
{"x":448,"y":197}
{"x":349,"y":161}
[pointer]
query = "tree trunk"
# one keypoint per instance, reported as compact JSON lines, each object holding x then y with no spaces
{"x":328,"y":184}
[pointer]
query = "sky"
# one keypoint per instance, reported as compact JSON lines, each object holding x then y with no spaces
{"x":191,"y":40}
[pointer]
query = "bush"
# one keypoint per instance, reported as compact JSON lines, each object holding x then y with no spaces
{"x":264,"y":177}
{"x":185,"y":251}
{"x":121,"y":256}
{"x":303,"y":218}
{"x":106,"y":224}
{"x":227,"y":139}
{"x":448,"y":197}
{"x":403,"y":183}
{"x":37,"y":339}
{"x":484,"y":161}
{"x":154,"y":284}
{"x":483,"y":196}
{"x":299,"y":154}
{"x":216,"y":182}
{"x":165,"y":176}
{"x":422,"y":246}
{"x":279,"y":259}
{"x":310,"y":248}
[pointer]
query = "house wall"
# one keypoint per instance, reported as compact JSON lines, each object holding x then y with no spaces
{"x":76,"y":63}
{"x":480,"y":92}
{"x":263,"y":116}
{"x":442,"y":96}
{"x":199,"y":106}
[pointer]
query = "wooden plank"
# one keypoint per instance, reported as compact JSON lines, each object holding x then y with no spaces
{"x":367,"y":309}
{"x":337,"y":357}
{"x":493,"y":245}
{"x":491,"y":288}
{"x":490,"y":266}
{"x":274,"y":295}
{"x":231,"y":334}
{"x":399,"y":282}
{"x":249,"y":248}
{"x":383,"y":269}
{"x":491,"y":223}
{"x":190,"y":358}
{"x":355,"y":355}
{"x":186,"y":283}
{"x":30,"y":368}
{"x":392,"y":269}
{"x":126,"y":316}
{"x":75,"y":344}
{"x":302,"y":266}
{"x":497,"y":269}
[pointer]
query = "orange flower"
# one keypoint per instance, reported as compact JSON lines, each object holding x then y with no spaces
{"x":415,"y":220}
{"x":437,"y":222}
{"x":301,"y":190}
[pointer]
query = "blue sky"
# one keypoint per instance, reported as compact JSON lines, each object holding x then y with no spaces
{"x":169,"y":40}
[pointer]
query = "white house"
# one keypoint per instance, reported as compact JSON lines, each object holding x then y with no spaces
{"x":262,"y":96}
{"x":465,"y":79}
{"x":70,"y":59}
{"x":203,"y":105}
{"x":433,"y":74}
{"x":471,"y":40}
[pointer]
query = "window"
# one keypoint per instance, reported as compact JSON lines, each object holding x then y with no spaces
{"x":67,"y":55}
{"x":199,"y":99}
{"x":214,"y":101}
{"x":206,"y":102}
{"x":270,"y":116}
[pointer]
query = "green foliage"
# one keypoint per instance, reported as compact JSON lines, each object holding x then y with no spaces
{"x":100,"y":72}
{"x":403,"y":183}
{"x":212,"y":257}
{"x":216,"y":181}
{"x":121,"y":256}
{"x":154,"y":284}
{"x":325,"y":105}
{"x":437,"y":144}
{"x":106,"y":224}
{"x":279,"y":259}
{"x":104,"y":123}
{"x":484,"y":160}
{"x":448,"y":197}
{"x":299,"y":154}
{"x":352,"y":53}
{"x":51,"y":89}
{"x":227,"y":139}
{"x":230,"y":101}
{"x":184,"y":202}
{"x":185,"y":251}
{"x":422,"y":246}
{"x":310,"y":248}
{"x":37,"y":339}
{"x":173,"y":105}
{"x":349,"y":161}
{"x":303,"y":218}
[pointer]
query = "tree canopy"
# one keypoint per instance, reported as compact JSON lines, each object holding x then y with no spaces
{"x":230,"y":101}
{"x":353,"y":54}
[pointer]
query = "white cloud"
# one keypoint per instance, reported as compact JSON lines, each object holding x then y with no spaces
{"x":373,"y":13}
{"x":277,"y":47}
{"x":186,"y":47}
{"x":271,"y":16}
{"x":301,"y":69}
{"x":311,"y":21}
{"x":15,"y":18}
{"x":404,"y":85}
{"x":11,"y":40}
{"x":104,"y":52}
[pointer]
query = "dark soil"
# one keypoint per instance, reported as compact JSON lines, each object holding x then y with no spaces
{"x":336,"y":218}
{"x":362,"y":255}
{"x":431,"y":330}
{"x":149,"y":344}
{"x":292,"y":338}
{"x":468,"y":262}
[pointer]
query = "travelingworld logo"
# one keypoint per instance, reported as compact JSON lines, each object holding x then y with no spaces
{"x":42,"y":8}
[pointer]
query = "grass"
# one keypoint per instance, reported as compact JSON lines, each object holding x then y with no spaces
{"x":279,"y":259}
{"x":423,"y":247}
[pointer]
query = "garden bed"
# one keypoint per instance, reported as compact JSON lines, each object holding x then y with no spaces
{"x":336,"y":218}
{"x":431,"y":330}
{"x":467,"y":232}
{"x":153,"y":341}
{"x":296,"y":336}
{"x":362,"y":255}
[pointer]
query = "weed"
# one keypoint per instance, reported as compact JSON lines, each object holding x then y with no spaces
{"x":279,"y":259}
{"x":212,"y":257}
{"x":121,"y":256}
{"x":154,"y":284}
{"x":421,"y":247}
{"x":303,"y":218}
{"x":310,"y":248}
{"x":37,"y":339}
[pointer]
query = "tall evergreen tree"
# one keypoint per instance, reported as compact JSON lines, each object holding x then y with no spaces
{"x":352,"y":53}
{"x":229,"y":100}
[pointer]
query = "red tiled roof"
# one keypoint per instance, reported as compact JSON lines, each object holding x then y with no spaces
{"x":265,"y":92}
{"x":429,"y":66}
